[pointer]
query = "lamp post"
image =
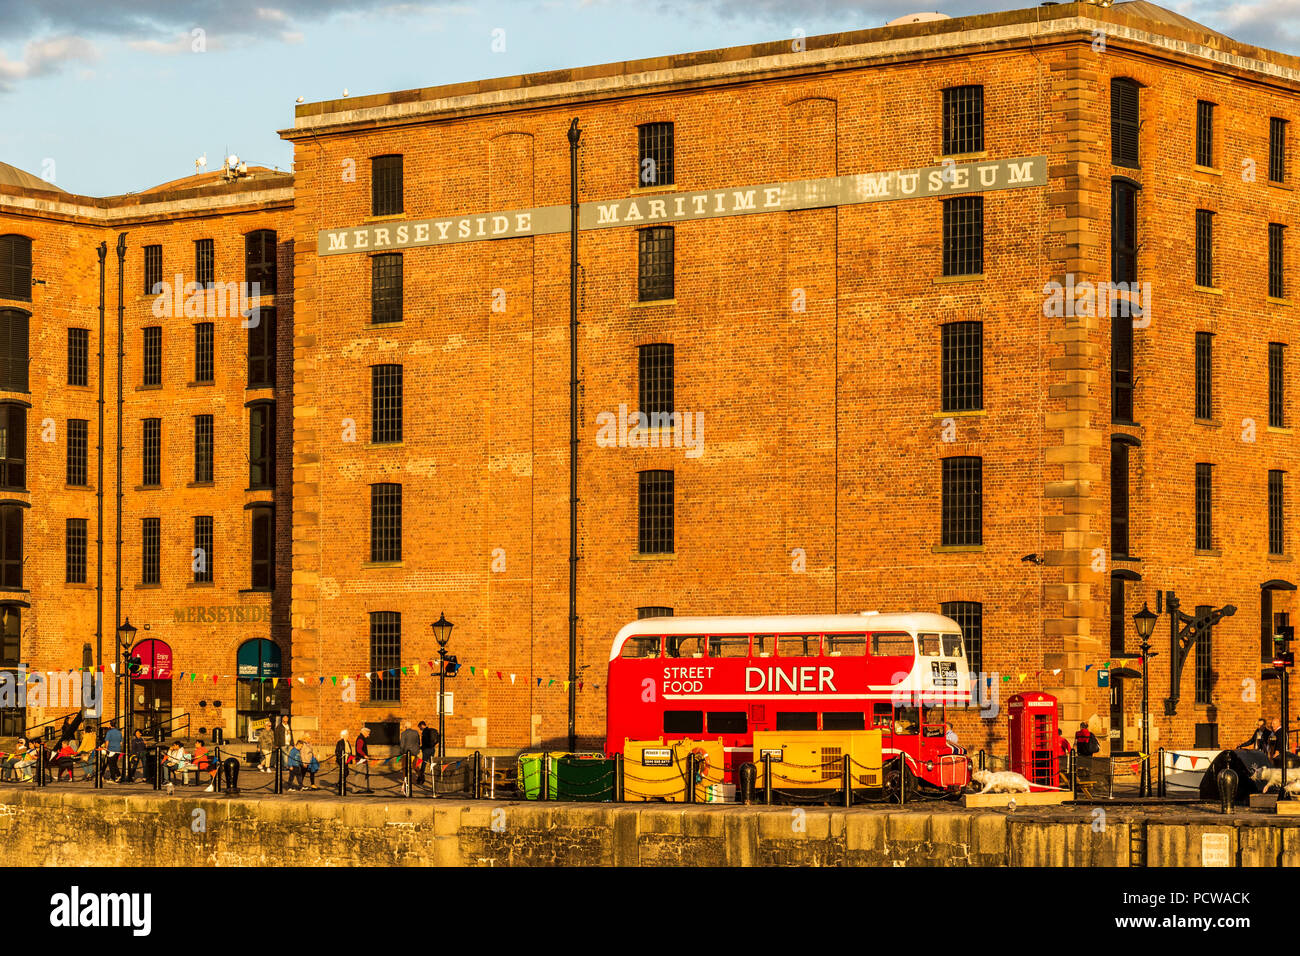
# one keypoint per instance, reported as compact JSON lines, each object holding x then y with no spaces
{"x":442,"y":634}
{"x":125,"y":640}
{"x":1145,"y":620}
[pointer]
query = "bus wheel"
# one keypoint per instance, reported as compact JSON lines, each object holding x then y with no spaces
{"x":894,"y":773}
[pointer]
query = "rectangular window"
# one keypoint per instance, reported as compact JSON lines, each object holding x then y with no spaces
{"x":655,"y":264}
{"x":1276,"y":385}
{"x":795,"y":720}
{"x":261,"y":445}
{"x":963,"y":506}
{"x":963,"y":236}
{"x":653,"y":611}
{"x":1205,"y":376}
{"x":11,"y":547}
{"x":386,"y":186}
{"x":963,"y":120}
{"x":655,"y":363}
{"x":1119,"y":499}
{"x":962,"y":366}
{"x":152,"y":355}
{"x":1204,"y":507}
{"x":1124,"y":123}
{"x":78,"y":431}
{"x":263,"y":556}
{"x":1276,"y":258}
{"x":13,"y":350}
{"x":262,"y":350}
{"x":152,"y":269}
{"x":202,"y":449}
{"x":13,"y":446}
{"x":260,"y":262}
{"x":655,"y":154}
{"x":151,"y":452}
{"x":1121,"y":365}
{"x":1277,"y":130}
{"x":11,"y":632}
{"x":1204,"y":134}
{"x":1267,"y":625}
{"x":1123,"y":232}
{"x":1276,"y":513}
{"x":385,"y":522}
{"x":203,"y":360}
{"x":78,"y":356}
{"x":727,"y":722}
{"x":683,"y":721}
{"x":655,"y":510}
{"x":1205,"y":248}
{"x":386,"y":655}
{"x":1204,"y":653}
{"x":204,"y":262}
{"x":201,"y":558}
{"x":16,"y":268}
{"x":969,"y":616}
{"x":385,"y":404}
{"x":150,"y":553}
{"x":1118,"y":620}
{"x":75,"y":551}
{"x":846,"y":720}
{"x":386,"y":288}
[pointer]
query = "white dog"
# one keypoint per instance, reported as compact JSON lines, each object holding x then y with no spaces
{"x":1272,"y":777}
{"x":1000,"y":781}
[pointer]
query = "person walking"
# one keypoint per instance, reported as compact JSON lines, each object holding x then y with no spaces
{"x":265,"y":744}
{"x":113,"y":744}
{"x":284,"y":735}
{"x":361,"y":757}
{"x":409,"y":747}
{"x":342,"y":753}
{"x":310,"y":764}
{"x":86,"y":753}
{"x":138,"y":747}
{"x":1085,"y":741}
{"x":294,"y":762}
{"x":428,"y":748}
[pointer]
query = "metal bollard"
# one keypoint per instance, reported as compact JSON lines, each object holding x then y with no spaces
{"x":767,"y":779}
{"x":492,"y":780}
{"x":902,"y":781}
{"x":406,"y":774}
{"x":1227,"y":781}
{"x":546,"y":777}
{"x":99,"y":770}
{"x":477,"y":790}
{"x":1160,"y":775}
{"x":218,"y":772}
{"x":618,"y":778}
{"x":690,"y":778}
{"x":157,"y":767}
{"x":848,"y":782}
{"x":278,"y":784}
{"x":982,"y":759}
{"x":40,"y":764}
{"x":747,"y":778}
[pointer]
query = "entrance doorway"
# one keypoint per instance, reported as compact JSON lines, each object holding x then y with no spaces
{"x":260,"y":695}
{"x":149,"y":679}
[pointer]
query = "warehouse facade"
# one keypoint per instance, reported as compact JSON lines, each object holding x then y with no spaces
{"x":840,"y":347}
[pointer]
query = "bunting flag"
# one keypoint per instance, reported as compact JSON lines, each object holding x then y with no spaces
{"x":1086,"y":668}
{"x":1193,"y":760}
{"x":512,"y":678}
{"x":274,"y":682}
{"x":499,"y":677}
{"x":1057,"y":671}
{"x":417,"y":669}
{"x":539,"y":682}
{"x":1022,"y":678}
{"x":471,"y":672}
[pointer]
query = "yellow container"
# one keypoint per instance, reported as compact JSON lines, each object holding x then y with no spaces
{"x":814,"y":759}
{"x":654,"y":770}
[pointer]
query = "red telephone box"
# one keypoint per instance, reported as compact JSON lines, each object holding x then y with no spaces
{"x":1032,"y":733}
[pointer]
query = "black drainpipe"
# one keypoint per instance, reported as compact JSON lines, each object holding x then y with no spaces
{"x":575,"y":134}
{"x":121,"y":355}
{"x":99,"y":489}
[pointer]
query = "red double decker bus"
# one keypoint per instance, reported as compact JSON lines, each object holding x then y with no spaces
{"x":726,"y":677}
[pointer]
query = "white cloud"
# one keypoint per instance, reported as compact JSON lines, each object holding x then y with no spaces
{"x":45,"y":56}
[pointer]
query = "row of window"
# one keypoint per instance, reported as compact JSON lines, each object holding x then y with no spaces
{"x":259,"y":263}
{"x":261,"y":449}
{"x":261,"y":353}
{"x":1126,"y":122}
{"x":201,"y":558}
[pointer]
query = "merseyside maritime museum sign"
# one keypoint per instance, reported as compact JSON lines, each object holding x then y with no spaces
{"x":666,"y":208}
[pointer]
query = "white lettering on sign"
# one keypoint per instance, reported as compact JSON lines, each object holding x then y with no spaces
{"x":890,"y":185}
{"x":1215,"y":849}
{"x":803,"y":680}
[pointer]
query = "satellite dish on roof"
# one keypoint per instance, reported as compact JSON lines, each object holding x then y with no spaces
{"x":917,"y":18}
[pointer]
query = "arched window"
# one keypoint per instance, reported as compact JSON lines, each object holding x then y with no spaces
{"x":16,"y":268}
{"x":13,"y":350}
{"x":259,"y":260}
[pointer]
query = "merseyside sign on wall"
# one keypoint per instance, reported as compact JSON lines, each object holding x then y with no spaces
{"x":666,"y":208}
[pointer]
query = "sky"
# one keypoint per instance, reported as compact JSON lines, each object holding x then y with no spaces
{"x":104,"y":97}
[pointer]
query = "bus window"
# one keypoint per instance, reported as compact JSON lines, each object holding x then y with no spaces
{"x":929,"y":644}
{"x":906,"y":720}
{"x":891,"y":645}
{"x":798,"y":645}
{"x":728,"y":722}
{"x":882,"y":715}
{"x":796,"y":720}
{"x":846,"y":645}
{"x":952,"y":645}
{"x":764,"y":645}
{"x":683,"y":721}
{"x":932,"y":721}
{"x":640,"y":647}
{"x":682,"y":645}
{"x":846,"y":721}
{"x":729,"y":646}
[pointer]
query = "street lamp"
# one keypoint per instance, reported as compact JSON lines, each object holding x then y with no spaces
{"x":1145,"y":621}
{"x":125,"y":638}
{"x":442,"y":634}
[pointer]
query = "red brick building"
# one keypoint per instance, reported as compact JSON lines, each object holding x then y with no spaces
{"x":834,"y":259}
